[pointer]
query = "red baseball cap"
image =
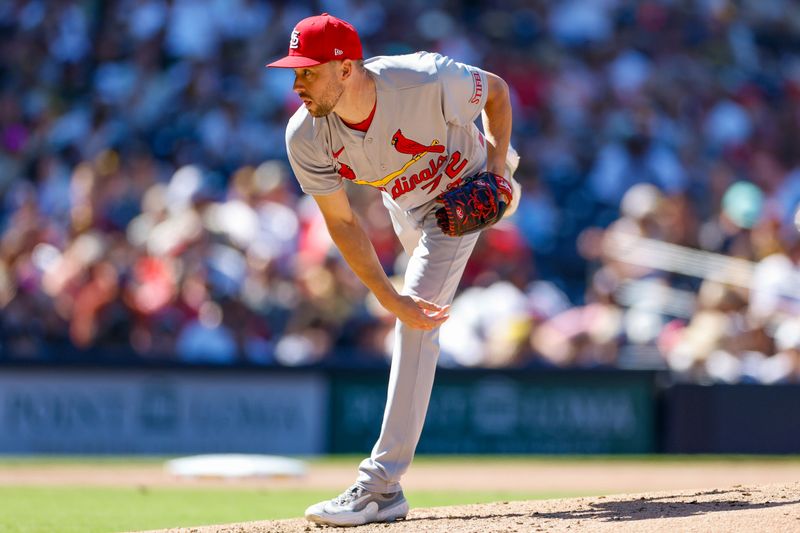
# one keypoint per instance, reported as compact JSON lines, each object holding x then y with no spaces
{"x":319,"y":39}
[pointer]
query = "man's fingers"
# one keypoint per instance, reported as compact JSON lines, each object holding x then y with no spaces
{"x":436,"y":314}
{"x":430,"y":306}
{"x":427,"y":322}
{"x":438,"y":318}
{"x":425,"y":315}
{"x":434,"y":320}
{"x":425,"y":304}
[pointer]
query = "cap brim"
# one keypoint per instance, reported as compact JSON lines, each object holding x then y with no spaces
{"x":294,"y":62}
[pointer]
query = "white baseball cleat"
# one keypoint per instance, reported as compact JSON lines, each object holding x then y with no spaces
{"x":356,"y":506}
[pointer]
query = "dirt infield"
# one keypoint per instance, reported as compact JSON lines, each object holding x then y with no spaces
{"x":766,"y":508}
{"x":650,"y":495}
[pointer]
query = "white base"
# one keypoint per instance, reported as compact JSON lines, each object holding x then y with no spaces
{"x":235,"y":466}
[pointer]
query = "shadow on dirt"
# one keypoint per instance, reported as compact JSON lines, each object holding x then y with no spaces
{"x":644,"y":508}
{"x":465,"y":517}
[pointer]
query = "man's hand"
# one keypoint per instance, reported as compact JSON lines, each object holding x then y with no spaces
{"x":352,"y":241}
{"x":417,"y":313}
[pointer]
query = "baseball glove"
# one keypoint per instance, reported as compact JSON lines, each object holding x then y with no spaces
{"x":478,"y":203}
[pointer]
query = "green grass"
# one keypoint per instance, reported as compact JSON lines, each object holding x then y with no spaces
{"x":99,"y":510}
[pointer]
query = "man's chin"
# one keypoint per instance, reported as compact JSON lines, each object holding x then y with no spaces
{"x":318,"y":113}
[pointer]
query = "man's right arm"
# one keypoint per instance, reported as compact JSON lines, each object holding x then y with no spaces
{"x":356,"y":248}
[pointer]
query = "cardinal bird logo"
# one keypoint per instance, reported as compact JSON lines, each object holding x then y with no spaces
{"x":404,"y":145}
{"x":344,"y":170}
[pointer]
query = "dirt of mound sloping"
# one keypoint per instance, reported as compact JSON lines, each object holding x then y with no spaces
{"x":768,"y":508}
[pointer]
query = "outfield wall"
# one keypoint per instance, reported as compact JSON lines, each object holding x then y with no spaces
{"x":508,"y":412}
{"x":742,"y":418}
{"x":180,"y":410}
{"x":72,"y":410}
{"x":168,"y":411}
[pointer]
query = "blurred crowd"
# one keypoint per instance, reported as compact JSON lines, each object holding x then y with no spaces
{"x":147,"y":210}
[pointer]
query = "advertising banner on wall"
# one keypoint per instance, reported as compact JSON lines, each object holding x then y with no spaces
{"x":741,"y":418}
{"x":542,"y":412}
{"x":165,"y":412}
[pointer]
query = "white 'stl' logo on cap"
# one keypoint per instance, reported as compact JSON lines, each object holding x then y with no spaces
{"x":337,"y":52}
{"x":295,"y":40}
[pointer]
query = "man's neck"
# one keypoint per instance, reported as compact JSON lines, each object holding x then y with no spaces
{"x":358,"y":99}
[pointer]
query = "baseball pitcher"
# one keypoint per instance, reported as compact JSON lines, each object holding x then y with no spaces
{"x":406,"y":126}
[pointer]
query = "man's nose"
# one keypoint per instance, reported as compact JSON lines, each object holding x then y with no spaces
{"x":297,"y":86}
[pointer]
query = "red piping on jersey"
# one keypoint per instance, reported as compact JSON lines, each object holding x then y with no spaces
{"x":364,"y":124}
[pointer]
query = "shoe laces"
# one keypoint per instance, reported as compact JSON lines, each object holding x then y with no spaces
{"x":349,"y":495}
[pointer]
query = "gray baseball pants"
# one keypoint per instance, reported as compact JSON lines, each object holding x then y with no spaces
{"x":433,"y":273}
{"x":434,"y":270}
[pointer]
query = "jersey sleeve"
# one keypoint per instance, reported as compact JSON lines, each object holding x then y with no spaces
{"x":464,"y":90}
{"x":311,"y":166}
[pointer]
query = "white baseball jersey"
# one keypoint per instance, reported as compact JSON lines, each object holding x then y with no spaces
{"x":422,"y":139}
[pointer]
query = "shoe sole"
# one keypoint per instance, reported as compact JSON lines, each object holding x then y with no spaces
{"x":391,"y":514}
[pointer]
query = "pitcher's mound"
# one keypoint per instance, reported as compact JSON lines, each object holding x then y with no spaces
{"x":740,"y":508}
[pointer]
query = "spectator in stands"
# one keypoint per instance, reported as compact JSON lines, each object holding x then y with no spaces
{"x":143,"y":177}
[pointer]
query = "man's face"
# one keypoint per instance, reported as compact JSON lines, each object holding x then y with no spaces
{"x":319,"y":87}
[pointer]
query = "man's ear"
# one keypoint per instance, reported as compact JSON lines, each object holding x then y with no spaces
{"x":346,"y":70}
